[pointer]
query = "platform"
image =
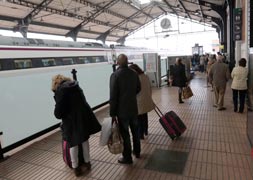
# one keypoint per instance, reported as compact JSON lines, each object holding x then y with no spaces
{"x":214,"y":146}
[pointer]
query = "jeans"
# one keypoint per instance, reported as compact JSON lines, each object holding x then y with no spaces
{"x":242,"y":94}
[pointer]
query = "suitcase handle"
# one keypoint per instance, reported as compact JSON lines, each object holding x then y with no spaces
{"x":158,"y":111}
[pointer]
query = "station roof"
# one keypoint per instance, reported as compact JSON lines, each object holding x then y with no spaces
{"x":106,"y":20}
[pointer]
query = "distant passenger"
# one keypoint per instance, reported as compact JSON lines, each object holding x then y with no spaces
{"x":78,"y":120}
{"x":219,"y":75}
{"x":239,"y":84}
{"x":202,"y":63}
{"x":179,"y":78}
{"x":211,"y":61}
{"x":144,"y":100}
{"x":124,"y":86}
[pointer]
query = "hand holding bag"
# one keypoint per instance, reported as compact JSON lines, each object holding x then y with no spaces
{"x":115,"y":142}
{"x":187,"y":92}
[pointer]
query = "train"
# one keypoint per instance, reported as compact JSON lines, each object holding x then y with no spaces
{"x":27,"y":67}
{"x":20,"y":53}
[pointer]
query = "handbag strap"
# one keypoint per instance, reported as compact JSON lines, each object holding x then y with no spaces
{"x":117,"y":129}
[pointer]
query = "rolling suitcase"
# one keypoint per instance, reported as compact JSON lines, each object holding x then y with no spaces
{"x":172,"y":124}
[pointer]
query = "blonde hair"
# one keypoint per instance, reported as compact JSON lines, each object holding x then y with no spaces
{"x":57,"y":79}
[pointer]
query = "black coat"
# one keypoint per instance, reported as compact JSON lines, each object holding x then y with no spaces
{"x":78,"y":119}
{"x":178,"y":75}
{"x":124,"y":86}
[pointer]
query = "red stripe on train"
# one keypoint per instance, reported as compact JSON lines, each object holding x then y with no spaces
{"x":48,"y":49}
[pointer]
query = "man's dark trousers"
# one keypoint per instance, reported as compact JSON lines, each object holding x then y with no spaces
{"x":124,"y":123}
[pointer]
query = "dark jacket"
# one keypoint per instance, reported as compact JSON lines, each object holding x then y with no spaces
{"x":178,"y":75}
{"x":78,"y":120}
{"x":124,"y":86}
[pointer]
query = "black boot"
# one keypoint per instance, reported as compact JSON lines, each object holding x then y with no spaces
{"x":180,"y":98}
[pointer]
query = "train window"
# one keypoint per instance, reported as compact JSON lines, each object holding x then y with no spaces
{"x":0,"y":67}
{"x":67,"y":61}
{"x":48,"y":62}
{"x":22,"y":64}
{"x":83,"y":60}
{"x":97,"y":59}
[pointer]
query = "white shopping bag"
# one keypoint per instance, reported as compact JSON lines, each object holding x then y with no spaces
{"x":106,"y":131}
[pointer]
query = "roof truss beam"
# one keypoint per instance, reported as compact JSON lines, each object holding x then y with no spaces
{"x":11,"y":19}
{"x":103,"y":36}
{"x":168,"y":4}
{"x":185,"y":10}
{"x":74,"y":32}
{"x":122,"y":39}
{"x":105,"y":10}
{"x":138,"y":9}
{"x":214,"y":7}
{"x":200,"y":10}
{"x":23,"y":24}
{"x":62,"y":13}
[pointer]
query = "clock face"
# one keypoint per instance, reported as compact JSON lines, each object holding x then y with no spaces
{"x":165,"y":23}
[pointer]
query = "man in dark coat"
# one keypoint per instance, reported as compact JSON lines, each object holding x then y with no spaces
{"x":179,"y":77}
{"x":78,"y":120}
{"x":124,"y":86}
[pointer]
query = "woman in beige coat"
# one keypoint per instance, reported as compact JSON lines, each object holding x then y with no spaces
{"x":239,"y":84}
{"x":144,"y":101}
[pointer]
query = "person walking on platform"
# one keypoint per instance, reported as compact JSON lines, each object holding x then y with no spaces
{"x":239,"y":75}
{"x":124,"y":86}
{"x":78,"y":120}
{"x":179,"y":78}
{"x":218,"y":76}
{"x":211,"y":61}
{"x":144,"y":100}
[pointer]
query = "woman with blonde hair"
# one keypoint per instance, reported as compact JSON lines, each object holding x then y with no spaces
{"x":78,"y":120}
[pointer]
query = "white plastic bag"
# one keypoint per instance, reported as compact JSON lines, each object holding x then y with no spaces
{"x":106,"y":131}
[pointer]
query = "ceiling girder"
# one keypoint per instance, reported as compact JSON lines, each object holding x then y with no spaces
{"x":185,"y":10}
{"x":23,"y":24}
{"x":200,"y":10}
{"x":74,"y":32}
{"x":161,"y":8}
{"x":214,"y":7}
{"x":170,"y":6}
{"x":122,"y":22}
{"x":62,"y":13}
{"x":138,"y":9}
{"x":122,"y":39}
{"x":11,"y":19}
{"x":105,"y":10}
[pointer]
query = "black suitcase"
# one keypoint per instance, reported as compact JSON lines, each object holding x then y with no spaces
{"x":172,"y":124}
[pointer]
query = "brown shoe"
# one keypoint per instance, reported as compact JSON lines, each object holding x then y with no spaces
{"x":78,"y":171}
{"x":222,"y":108}
{"x":87,"y":165}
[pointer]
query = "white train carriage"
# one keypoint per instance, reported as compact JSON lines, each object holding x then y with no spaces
{"x":26,"y":69}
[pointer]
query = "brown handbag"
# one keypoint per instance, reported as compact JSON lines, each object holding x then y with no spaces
{"x":187,"y":92}
{"x":115,"y":142}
